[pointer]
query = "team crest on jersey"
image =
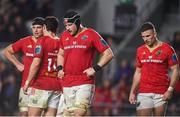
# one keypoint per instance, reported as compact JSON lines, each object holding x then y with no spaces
{"x":38,"y":49}
{"x":158,"y":52}
{"x":103,"y":42}
{"x":174,"y":58}
{"x":84,"y":37}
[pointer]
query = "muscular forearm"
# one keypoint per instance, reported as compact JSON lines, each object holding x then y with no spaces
{"x":60,"y":60}
{"x":33,"y":70}
{"x":136,"y":81}
{"x":60,"y":57}
{"x":10,"y":56}
{"x":174,"y":76}
{"x":106,"y":57}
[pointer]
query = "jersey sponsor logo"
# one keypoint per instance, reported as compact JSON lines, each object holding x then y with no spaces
{"x":29,"y":54}
{"x":84,"y":37}
{"x":75,"y":46}
{"x":103,"y":42}
{"x":52,"y":54}
{"x":174,"y":58}
{"x":151,"y":61}
{"x":38,"y":49}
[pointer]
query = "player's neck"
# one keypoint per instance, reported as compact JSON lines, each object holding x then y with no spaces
{"x":34,"y":39}
{"x":81,"y":29}
{"x":156,"y":44}
{"x":50,"y":34}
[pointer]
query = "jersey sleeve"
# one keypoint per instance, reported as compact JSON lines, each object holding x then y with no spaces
{"x":38,"y":52}
{"x":98,"y":42}
{"x":138,"y":62}
{"x":172,"y":57}
{"x":18,"y":45}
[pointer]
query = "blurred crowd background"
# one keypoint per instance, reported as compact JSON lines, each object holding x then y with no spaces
{"x":117,"y":21}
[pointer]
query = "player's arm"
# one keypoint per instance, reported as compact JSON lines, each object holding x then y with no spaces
{"x":32,"y":73}
{"x":174,"y":78}
{"x":135,"y":85}
{"x":9,"y":54}
{"x":60,"y":63}
{"x":105,"y":58}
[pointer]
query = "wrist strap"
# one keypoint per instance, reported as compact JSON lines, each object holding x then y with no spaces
{"x":60,"y":67}
{"x":97,"y":68}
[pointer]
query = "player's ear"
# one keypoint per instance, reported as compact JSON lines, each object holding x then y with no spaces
{"x":44,"y":27}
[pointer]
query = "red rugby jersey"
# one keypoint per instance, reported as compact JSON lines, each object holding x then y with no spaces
{"x":79,"y":52}
{"x":154,"y":68}
{"x":26,"y":46}
{"x":47,"y":49}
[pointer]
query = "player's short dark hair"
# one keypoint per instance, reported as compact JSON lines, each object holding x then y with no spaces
{"x":147,"y":26}
{"x":38,"y":21}
{"x":51,"y":23}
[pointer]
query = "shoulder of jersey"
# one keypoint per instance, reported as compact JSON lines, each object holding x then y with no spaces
{"x":141,"y":47}
{"x":25,"y":38}
{"x":167,"y":46}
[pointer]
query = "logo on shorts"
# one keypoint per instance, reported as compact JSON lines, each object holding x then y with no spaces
{"x":137,"y":104}
{"x":34,"y":101}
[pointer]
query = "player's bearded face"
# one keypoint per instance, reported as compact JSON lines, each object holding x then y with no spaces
{"x":149,"y":37}
{"x":37,"y":30}
{"x":71,"y":28}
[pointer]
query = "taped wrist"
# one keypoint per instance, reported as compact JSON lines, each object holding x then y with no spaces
{"x":97,"y":68}
{"x":60,"y":67}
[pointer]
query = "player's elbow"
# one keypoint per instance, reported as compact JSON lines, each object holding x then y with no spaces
{"x":5,"y":53}
{"x":110,"y":54}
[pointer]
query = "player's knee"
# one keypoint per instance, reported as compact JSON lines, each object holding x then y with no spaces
{"x":80,"y":109}
{"x":79,"y":112}
{"x":67,"y":113}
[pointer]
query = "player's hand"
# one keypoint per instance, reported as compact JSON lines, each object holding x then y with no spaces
{"x":132,"y":98}
{"x":25,"y":88}
{"x":90,"y":72}
{"x":167,"y":95}
{"x":61,"y":74}
{"x":20,"y":67}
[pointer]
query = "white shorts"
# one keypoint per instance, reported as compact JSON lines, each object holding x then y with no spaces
{"x":149,"y":100}
{"x":78,"y":97}
{"x":60,"y":106}
{"x":23,"y":100}
{"x":44,"y":99}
